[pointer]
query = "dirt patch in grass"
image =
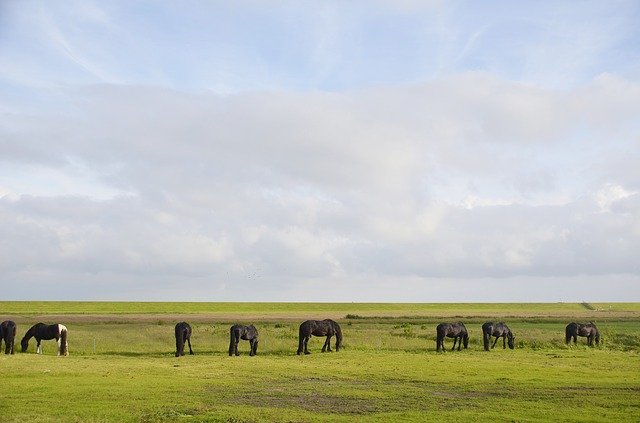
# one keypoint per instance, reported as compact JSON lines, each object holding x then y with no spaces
{"x":316,"y":402}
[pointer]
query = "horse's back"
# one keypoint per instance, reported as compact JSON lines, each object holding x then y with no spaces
{"x":183,"y":329}
{"x":443,"y":327}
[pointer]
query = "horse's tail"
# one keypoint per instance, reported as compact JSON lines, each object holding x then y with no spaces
{"x":12,"y":335}
{"x":301,"y":336}
{"x":338,"y":331}
{"x":486,"y":336}
{"x":568,"y":333}
{"x":231,"y":340}
{"x":465,"y":338}
{"x":179,"y":339}
{"x":64,"y":348}
{"x":597,"y":337}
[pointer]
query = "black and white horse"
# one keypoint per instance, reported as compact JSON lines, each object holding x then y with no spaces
{"x":41,"y":331}
{"x":248,"y":333}
{"x":8,"y":330}
{"x":183,"y":334}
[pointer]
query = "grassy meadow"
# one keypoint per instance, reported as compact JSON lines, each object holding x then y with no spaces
{"x":122,"y":367}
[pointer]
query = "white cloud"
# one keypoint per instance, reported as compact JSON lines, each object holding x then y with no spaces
{"x":452,"y":179}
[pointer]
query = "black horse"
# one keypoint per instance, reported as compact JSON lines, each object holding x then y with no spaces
{"x":589,"y":330}
{"x":325,"y":327}
{"x":499,"y":330}
{"x":8,"y":330}
{"x":457,"y":331}
{"x":41,"y":331}
{"x":248,"y":333}
{"x":183,"y":334}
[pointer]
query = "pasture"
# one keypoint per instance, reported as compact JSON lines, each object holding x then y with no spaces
{"x":122,"y":365}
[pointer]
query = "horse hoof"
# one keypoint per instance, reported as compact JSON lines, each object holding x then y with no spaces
{"x":307,"y":353}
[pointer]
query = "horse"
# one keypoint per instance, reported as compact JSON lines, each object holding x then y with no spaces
{"x":248,"y":333}
{"x":183,"y":333}
{"x":457,"y":331}
{"x":573,"y":330}
{"x":8,"y":330}
{"x":41,"y":331}
{"x":325,"y":327}
{"x":499,"y":330}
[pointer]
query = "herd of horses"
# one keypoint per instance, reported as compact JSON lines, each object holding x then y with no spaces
{"x":320,"y":328}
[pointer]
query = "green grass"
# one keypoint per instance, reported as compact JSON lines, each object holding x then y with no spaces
{"x":123,"y":368}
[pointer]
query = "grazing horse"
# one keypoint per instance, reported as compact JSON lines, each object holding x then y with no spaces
{"x":41,"y":331}
{"x":457,"y":331}
{"x":325,"y":327}
{"x":499,"y":330}
{"x":8,"y":330}
{"x":589,"y":330}
{"x":183,"y":334}
{"x":248,"y":333}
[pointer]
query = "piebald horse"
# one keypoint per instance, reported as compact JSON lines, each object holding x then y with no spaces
{"x":41,"y":331}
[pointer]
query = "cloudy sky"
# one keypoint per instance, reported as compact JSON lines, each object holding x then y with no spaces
{"x":320,"y":151}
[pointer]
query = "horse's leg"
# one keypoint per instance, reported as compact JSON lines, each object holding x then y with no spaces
{"x":459,"y":342}
{"x":235,"y":346}
{"x":251,"y":343}
{"x":455,"y":338}
{"x":495,"y":342}
{"x":306,"y":342}
{"x":327,"y":344}
{"x":504,"y":342}
{"x":189,"y":342}
{"x":39,"y":348}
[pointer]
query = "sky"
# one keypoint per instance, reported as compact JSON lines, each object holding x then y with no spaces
{"x":427,"y":151}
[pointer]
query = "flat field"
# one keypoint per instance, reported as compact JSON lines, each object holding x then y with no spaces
{"x":122,"y":366}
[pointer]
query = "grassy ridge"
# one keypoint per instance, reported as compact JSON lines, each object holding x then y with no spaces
{"x":341,"y":309}
{"x":123,"y":368}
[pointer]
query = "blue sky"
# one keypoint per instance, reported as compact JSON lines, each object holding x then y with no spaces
{"x":266,"y":151}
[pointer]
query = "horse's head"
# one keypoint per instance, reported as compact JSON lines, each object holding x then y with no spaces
{"x":510,"y":340}
{"x":24,"y":344}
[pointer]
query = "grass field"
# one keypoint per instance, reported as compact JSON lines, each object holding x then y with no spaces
{"x":122,"y":367}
